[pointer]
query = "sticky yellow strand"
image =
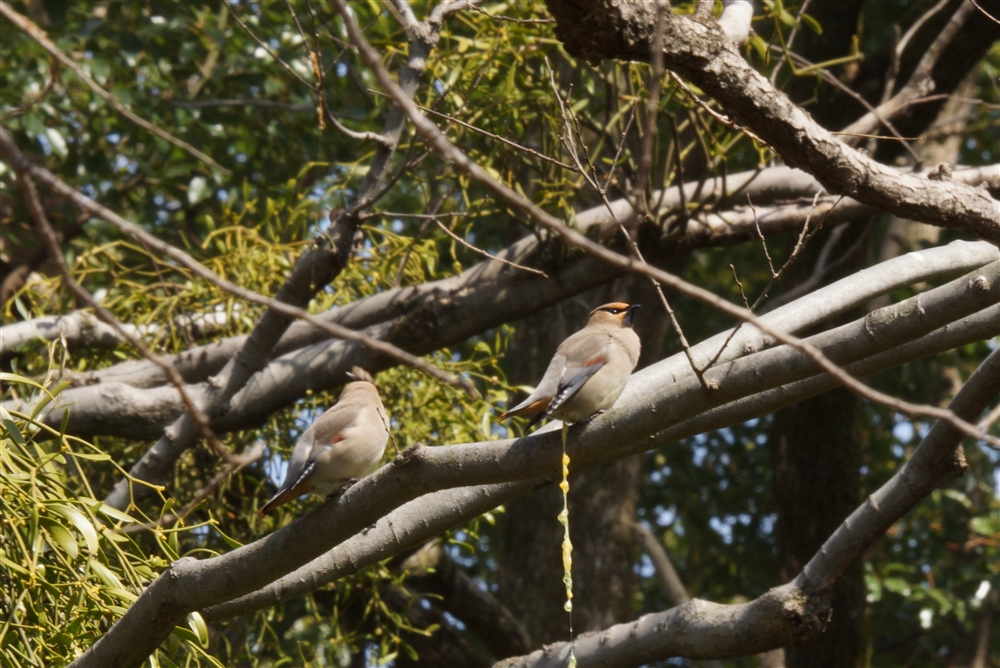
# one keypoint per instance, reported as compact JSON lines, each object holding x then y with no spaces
{"x":567,"y":546}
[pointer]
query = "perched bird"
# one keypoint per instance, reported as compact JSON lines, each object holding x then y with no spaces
{"x":344,"y":444}
{"x":589,"y":369}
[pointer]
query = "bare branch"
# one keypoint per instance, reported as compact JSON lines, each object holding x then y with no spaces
{"x":55,"y":252}
{"x":449,"y":152}
{"x":38,"y":35}
{"x":789,"y":614}
{"x":920,"y":82}
{"x":476,"y":249}
{"x":665,"y":571}
{"x":987,"y":14}
{"x":18,"y":159}
{"x":703,"y":56}
{"x":429,"y":515}
{"x":654,"y":400}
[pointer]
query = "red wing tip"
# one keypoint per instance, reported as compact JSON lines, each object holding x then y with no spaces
{"x":503,"y":417}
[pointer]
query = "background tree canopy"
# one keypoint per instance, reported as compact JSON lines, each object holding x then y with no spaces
{"x":254,"y":142}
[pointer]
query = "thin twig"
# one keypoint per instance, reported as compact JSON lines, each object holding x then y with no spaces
{"x":804,"y":236}
{"x":491,"y":135}
{"x":267,"y":49}
{"x":835,"y":81}
{"x":729,"y":123}
{"x":249,"y":456}
{"x":618,"y":152}
{"x":484,"y":253}
{"x":652,"y":110}
{"x":496,"y":17}
{"x":740,"y":284}
{"x":570,"y":144}
{"x":39,"y":36}
{"x":55,"y":254}
{"x":452,"y":154}
{"x":19,"y":161}
{"x":763,"y":242}
{"x":788,"y":44}
{"x":987,"y":14}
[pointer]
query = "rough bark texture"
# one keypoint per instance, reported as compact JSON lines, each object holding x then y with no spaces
{"x":816,"y":458}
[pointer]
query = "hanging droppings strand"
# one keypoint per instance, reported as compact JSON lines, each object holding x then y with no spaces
{"x":567,"y":546}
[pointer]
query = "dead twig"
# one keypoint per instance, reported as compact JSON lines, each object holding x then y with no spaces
{"x":452,"y":154}
{"x":20,"y":162}
{"x":509,"y":19}
{"x":476,"y":249}
{"x":729,"y":123}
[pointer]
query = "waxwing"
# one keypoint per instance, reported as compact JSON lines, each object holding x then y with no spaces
{"x":345,"y":443}
{"x":589,"y":369}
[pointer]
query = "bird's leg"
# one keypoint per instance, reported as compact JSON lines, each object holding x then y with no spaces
{"x":340,"y":492}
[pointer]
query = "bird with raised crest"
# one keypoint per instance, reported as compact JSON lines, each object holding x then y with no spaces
{"x":588,"y":371}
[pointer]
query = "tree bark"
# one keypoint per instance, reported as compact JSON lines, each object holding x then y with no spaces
{"x":816,"y":459}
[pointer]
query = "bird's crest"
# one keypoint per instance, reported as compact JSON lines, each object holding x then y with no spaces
{"x":357,"y":374}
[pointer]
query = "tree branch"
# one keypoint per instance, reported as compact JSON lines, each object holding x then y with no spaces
{"x":448,"y":151}
{"x":791,"y":613}
{"x":920,"y":82}
{"x":429,"y":515}
{"x":37,"y":34}
{"x":653,"y":400}
{"x":456,"y":308}
{"x":624,"y":29}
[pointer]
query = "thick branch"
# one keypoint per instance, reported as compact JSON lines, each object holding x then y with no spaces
{"x":427,"y":516}
{"x":703,"y":229}
{"x":624,"y":29}
{"x":654,"y":400}
{"x":788,"y":614}
{"x":453,"y":309}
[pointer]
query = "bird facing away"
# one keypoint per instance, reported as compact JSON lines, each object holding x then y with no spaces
{"x":345,"y":443}
{"x":589,"y":369}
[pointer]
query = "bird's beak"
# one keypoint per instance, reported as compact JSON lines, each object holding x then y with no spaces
{"x":629,"y":315}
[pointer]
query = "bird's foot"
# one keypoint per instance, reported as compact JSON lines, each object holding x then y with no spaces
{"x":340,"y":492}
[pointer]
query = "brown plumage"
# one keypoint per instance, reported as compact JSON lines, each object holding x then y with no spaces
{"x":589,"y":369}
{"x":345,"y":443}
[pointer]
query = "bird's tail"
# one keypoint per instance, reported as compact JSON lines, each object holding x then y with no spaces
{"x":286,"y":494}
{"x":523,"y":409}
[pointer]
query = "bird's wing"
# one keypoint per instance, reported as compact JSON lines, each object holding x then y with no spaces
{"x":324,"y":433}
{"x":574,"y":380}
{"x":538,"y":400}
{"x":327,"y":430}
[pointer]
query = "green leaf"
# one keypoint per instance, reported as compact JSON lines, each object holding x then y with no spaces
{"x":80,"y":521}
{"x":14,"y":432}
{"x":115,"y":514}
{"x":813,"y":24}
{"x":93,"y":456}
{"x":197,"y":624}
{"x":62,"y":538}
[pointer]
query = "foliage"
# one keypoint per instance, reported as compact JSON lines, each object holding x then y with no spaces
{"x":71,"y":565}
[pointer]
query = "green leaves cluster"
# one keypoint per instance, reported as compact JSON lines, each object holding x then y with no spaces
{"x":70,"y":566}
